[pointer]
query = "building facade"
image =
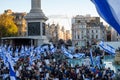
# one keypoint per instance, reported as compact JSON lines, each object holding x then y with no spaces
{"x":87,"y":30}
{"x":19,"y":21}
{"x":114,"y":35}
{"x":56,"y":32}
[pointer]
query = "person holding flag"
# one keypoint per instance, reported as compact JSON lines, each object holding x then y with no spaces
{"x":11,"y":68}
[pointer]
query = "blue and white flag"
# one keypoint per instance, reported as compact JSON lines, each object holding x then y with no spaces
{"x":22,"y":51}
{"x":45,"y":48}
{"x":16,"y":52}
{"x":41,"y":50}
{"x":109,"y":10}
{"x":52,"y":48}
{"x":79,"y":55}
{"x":12,"y":73}
{"x":97,"y":61}
{"x":11,"y":68}
{"x":66,"y":53}
{"x":1,"y":53}
{"x":107,"y":48}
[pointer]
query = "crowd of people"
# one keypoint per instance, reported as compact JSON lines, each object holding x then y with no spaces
{"x":55,"y":66}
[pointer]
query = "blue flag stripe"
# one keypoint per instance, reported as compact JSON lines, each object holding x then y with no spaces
{"x":106,"y":11}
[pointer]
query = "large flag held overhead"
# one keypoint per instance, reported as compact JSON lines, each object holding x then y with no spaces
{"x":66,"y":53}
{"x":109,"y":10}
{"x":107,"y":48}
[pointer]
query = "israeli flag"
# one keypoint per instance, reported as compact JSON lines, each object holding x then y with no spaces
{"x":41,"y":50}
{"x":16,"y":52}
{"x":31,"y":60}
{"x":52,"y":48}
{"x":11,"y":68}
{"x":109,"y":10}
{"x":107,"y":48}
{"x":22,"y":51}
{"x":12,"y":73}
{"x":1,"y":52}
{"x":66,"y":53}
{"x":97,"y":61}
{"x":79,"y":55}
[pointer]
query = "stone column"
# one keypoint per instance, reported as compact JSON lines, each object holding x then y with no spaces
{"x":36,"y":4}
{"x":35,"y":19}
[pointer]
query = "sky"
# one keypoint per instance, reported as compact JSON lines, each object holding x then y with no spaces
{"x":55,"y":10}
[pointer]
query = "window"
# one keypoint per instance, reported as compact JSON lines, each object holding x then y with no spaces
{"x":96,"y":31}
{"x":78,"y":21}
{"x":87,"y":31}
{"x":92,"y":31}
{"x":82,"y":31}
{"x":92,"y":36}
{"x":96,"y":36}
{"x":78,"y":37}
{"x":20,"y":17}
{"x":17,"y":17}
{"x":117,"y":34}
{"x":82,"y":38}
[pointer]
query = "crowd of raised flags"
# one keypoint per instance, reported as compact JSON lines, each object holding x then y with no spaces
{"x":10,"y":56}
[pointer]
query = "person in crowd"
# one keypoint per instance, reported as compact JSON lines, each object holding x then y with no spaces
{"x":54,"y":67}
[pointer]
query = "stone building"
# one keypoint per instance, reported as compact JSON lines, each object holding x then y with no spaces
{"x":87,"y":30}
{"x":19,"y":21}
{"x":56,"y":32}
{"x":114,"y":35}
{"x":68,"y":35}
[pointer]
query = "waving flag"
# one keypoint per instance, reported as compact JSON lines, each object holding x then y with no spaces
{"x":107,"y":48}
{"x":22,"y":51}
{"x":66,"y":53}
{"x":52,"y":48}
{"x":16,"y":52}
{"x":12,"y":73}
{"x":11,"y":68}
{"x":98,"y":61}
{"x":79,"y":55}
{"x":1,"y":52}
{"x":109,"y":10}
